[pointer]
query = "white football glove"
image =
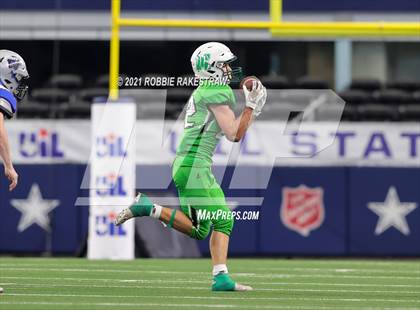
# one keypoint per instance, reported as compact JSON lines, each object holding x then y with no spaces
{"x":260,"y":103}
{"x":255,"y":98}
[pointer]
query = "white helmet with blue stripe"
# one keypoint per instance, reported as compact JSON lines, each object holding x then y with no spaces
{"x":13,"y":73}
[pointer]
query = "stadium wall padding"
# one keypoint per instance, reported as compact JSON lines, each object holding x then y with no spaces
{"x":348,"y":225}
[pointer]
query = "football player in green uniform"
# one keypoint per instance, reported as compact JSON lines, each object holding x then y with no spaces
{"x":209,"y":116}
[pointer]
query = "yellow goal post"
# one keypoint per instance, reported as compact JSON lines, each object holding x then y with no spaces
{"x":275,"y":25}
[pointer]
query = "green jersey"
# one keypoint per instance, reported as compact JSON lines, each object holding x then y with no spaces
{"x":201,"y":131}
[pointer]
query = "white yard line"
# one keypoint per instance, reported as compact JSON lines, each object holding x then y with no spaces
{"x":417,"y":293}
{"x":326,"y":276}
{"x":102,"y":270}
{"x":176,"y":305}
{"x":250,"y":275}
{"x":208,"y":283}
{"x":371,"y":285}
{"x":339,"y":270}
{"x":107,"y":280}
{"x":341,"y":284}
{"x":111,"y":304}
{"x":186,"y":280}
{"x":207,"y":288}
{"x":193,"y":297}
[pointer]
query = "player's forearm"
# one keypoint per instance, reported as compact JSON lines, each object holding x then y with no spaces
{"x":4,"y":147}
{"x":233,"y":128}
{"x":243,"y":123}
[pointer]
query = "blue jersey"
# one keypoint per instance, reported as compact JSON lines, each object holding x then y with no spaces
{"x":7,"y":102}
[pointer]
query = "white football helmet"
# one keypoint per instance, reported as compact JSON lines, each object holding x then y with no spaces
{"x":208,"y":62}
{"x":13,"y":73}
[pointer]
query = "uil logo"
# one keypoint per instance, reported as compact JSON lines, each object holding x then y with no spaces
{"x":110,"y":185}
{"x":110,"y":145}
{"x":203,"y":62}
{"x":105,"y":226}
{"x":302,"y":209}
{"x":41,"y":143}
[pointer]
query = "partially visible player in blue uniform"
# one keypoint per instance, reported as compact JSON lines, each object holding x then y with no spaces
{"x":13,"y":75}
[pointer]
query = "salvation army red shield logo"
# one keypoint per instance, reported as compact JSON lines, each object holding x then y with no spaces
{"x":302,"y":209}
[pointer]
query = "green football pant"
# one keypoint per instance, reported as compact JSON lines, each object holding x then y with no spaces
{"x":202,"y":200}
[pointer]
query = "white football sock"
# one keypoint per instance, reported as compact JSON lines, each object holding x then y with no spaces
{"x":219,"y":268}
{"x":156,"y":211}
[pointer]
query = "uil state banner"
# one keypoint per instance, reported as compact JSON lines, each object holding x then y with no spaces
{"x":266,"y":143}
{"x":112,"y":180}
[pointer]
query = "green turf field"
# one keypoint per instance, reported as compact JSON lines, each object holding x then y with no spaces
{"x":42,"y":283}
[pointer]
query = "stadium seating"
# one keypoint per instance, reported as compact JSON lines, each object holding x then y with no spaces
{"x":102,"y":81}
{"x":65,"y":81}
{"x":87,"y":95}
{"x":366,"y":84}
{"x":391,"y":96}
{"x":75,"y":110}
{"x":355,"y":96}
{"x":308,"y":82}
{"x":279,"y":112}
{"x":404,"y":85}
{"x":366,"y":99}
{"x":409,"y":112}
{"x":32,"y":109}
{"x":50,"y":95}
{"x":350,"y":113}
{"x":378,"y":112}
{"x":275,"y":82}
{"x":416,"y":97}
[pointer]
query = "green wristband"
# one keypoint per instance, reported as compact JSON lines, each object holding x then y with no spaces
{"x":172,"y":219}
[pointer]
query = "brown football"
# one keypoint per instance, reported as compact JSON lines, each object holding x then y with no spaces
{"x":247,"y":81}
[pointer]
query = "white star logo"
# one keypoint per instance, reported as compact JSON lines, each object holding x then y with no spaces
{"x":392,"y":212}
{"x":34,"y":209}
